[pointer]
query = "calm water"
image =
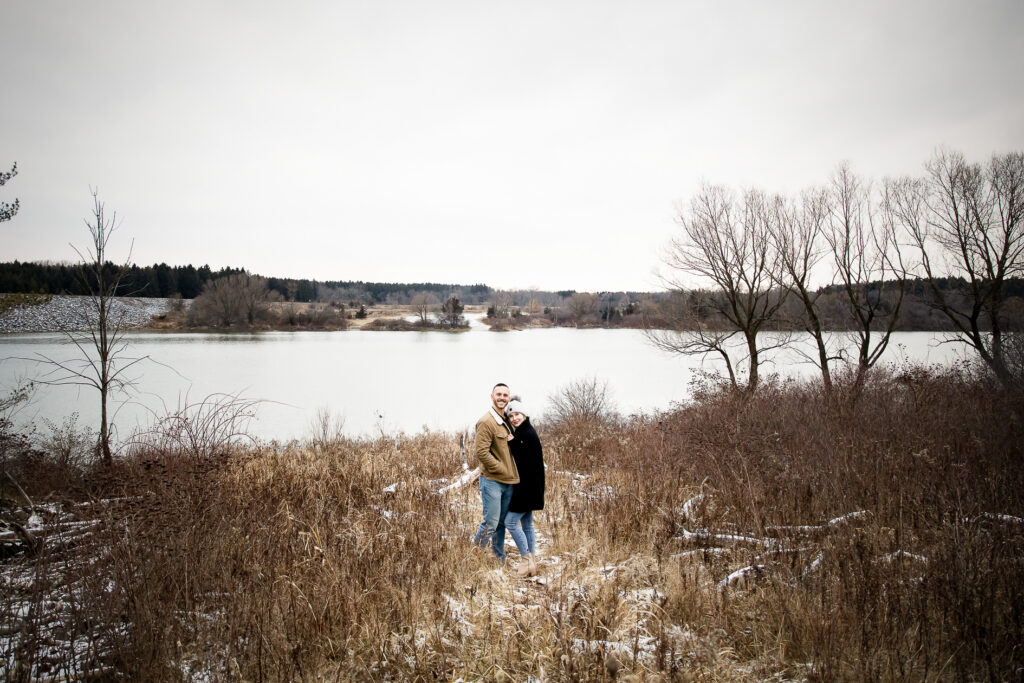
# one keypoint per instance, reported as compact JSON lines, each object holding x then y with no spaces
{"x":386,"y":380}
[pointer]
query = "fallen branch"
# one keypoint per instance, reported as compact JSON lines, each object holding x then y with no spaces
{"x":20,"y":490}
{"x":31,"y":543}
{"x":705,"y":536}
{"x":995,"y":517}
{"x":815,"y":529}
{"x":461,"y":481}
{"x":740,"y":577}
{"x":901,"y":555}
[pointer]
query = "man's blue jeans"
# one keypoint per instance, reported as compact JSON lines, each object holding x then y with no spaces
{"x":495,"y":498}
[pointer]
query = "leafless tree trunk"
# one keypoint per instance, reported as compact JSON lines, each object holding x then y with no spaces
{"x":99,"y":334}
{"x":798,"y":238}
{"x":424,"y":303}
{"x":862,"y":237}
{"x":533,"y":306}
{"x":966,"y":222}
{"x":502,"y":304}
{"x":727,"y":241}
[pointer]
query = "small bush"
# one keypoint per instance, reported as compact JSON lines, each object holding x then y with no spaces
{"x":582,"y":401}
{"x":71,"y":447}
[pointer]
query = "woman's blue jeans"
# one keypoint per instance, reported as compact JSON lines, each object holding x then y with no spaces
{"x":524,"y":536}
{"x":495,"y":498}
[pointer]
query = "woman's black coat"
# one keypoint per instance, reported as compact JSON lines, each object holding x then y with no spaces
{"x":528,"y":494}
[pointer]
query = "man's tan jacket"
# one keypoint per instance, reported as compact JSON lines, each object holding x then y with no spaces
{"x":491,"y":447}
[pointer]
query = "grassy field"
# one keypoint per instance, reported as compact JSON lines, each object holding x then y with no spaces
{"x":876,"y":534}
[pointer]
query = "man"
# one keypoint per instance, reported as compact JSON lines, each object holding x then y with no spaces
{"x":497,"y":471}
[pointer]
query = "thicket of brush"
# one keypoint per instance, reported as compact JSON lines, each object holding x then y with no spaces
{"x":688,"y":545}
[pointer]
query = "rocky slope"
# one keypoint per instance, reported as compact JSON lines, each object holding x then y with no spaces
{"x":77,"y":313}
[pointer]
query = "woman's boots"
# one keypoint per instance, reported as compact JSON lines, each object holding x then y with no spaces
{"x":528,"y":566}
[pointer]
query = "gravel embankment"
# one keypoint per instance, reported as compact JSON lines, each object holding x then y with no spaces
{"x":74,"y":313}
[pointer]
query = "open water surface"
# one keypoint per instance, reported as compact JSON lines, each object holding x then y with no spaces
{"x":386,"y":381}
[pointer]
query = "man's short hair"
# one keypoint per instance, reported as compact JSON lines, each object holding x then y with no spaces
{"x":499,"y":384}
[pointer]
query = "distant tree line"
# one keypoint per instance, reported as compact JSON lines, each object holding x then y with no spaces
{"x":397,"y":293}
{"x":918,"y":310}
{"x":162,"y":280}
{"x":702,"y":307}
{"x":159,"y":280}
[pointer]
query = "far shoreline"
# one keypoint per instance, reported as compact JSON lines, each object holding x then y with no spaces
{"x":54,"y":314}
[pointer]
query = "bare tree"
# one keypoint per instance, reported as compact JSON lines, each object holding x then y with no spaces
{"x":424,"y":303}
{"x":7,"y":210}
{"x":726,"y":241}
{"x":797,"y":231}
{"x":533,"y":306}
{"x":99,"y":334}
{"x":862,"y":237}
{"x":501,"y":306}
{"x":582,"y":304}
{"x":235,"y":299}
{"x":966,"y":222}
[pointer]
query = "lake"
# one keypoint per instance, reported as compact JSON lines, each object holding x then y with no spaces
{"x":388,"y":381}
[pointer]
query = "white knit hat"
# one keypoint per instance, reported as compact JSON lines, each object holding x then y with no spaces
{"x":516,"y":406}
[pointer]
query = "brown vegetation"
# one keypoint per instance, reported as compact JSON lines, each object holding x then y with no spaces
{"x":10,"y":301}
{"x":293,"y":315}
{"x":876,"y":535}
{"x":517,"y":321}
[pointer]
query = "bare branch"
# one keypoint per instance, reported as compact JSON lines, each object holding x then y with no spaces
{"x":965,"y":221}
{"x":725,"y":242}
{"x":98,"y":334}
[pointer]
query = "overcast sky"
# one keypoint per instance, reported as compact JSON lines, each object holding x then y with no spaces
{"x":518,"y":144}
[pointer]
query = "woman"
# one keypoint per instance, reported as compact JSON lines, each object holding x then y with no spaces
{"x":528,"y":494}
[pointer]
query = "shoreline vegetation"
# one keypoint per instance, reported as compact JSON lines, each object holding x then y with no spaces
{"x":201,"y":299}
{"x":21,"y":312}
{"x":873,"y":532}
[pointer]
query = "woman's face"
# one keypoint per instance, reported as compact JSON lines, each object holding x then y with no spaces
{"x":516,"y":419}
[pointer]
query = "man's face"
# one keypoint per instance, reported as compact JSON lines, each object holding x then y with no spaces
{"x":499,"y":398}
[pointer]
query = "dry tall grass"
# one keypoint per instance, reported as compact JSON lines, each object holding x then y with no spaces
{"x":877,"y":534}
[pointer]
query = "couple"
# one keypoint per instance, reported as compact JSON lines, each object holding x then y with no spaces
{"x":511,"y":477}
